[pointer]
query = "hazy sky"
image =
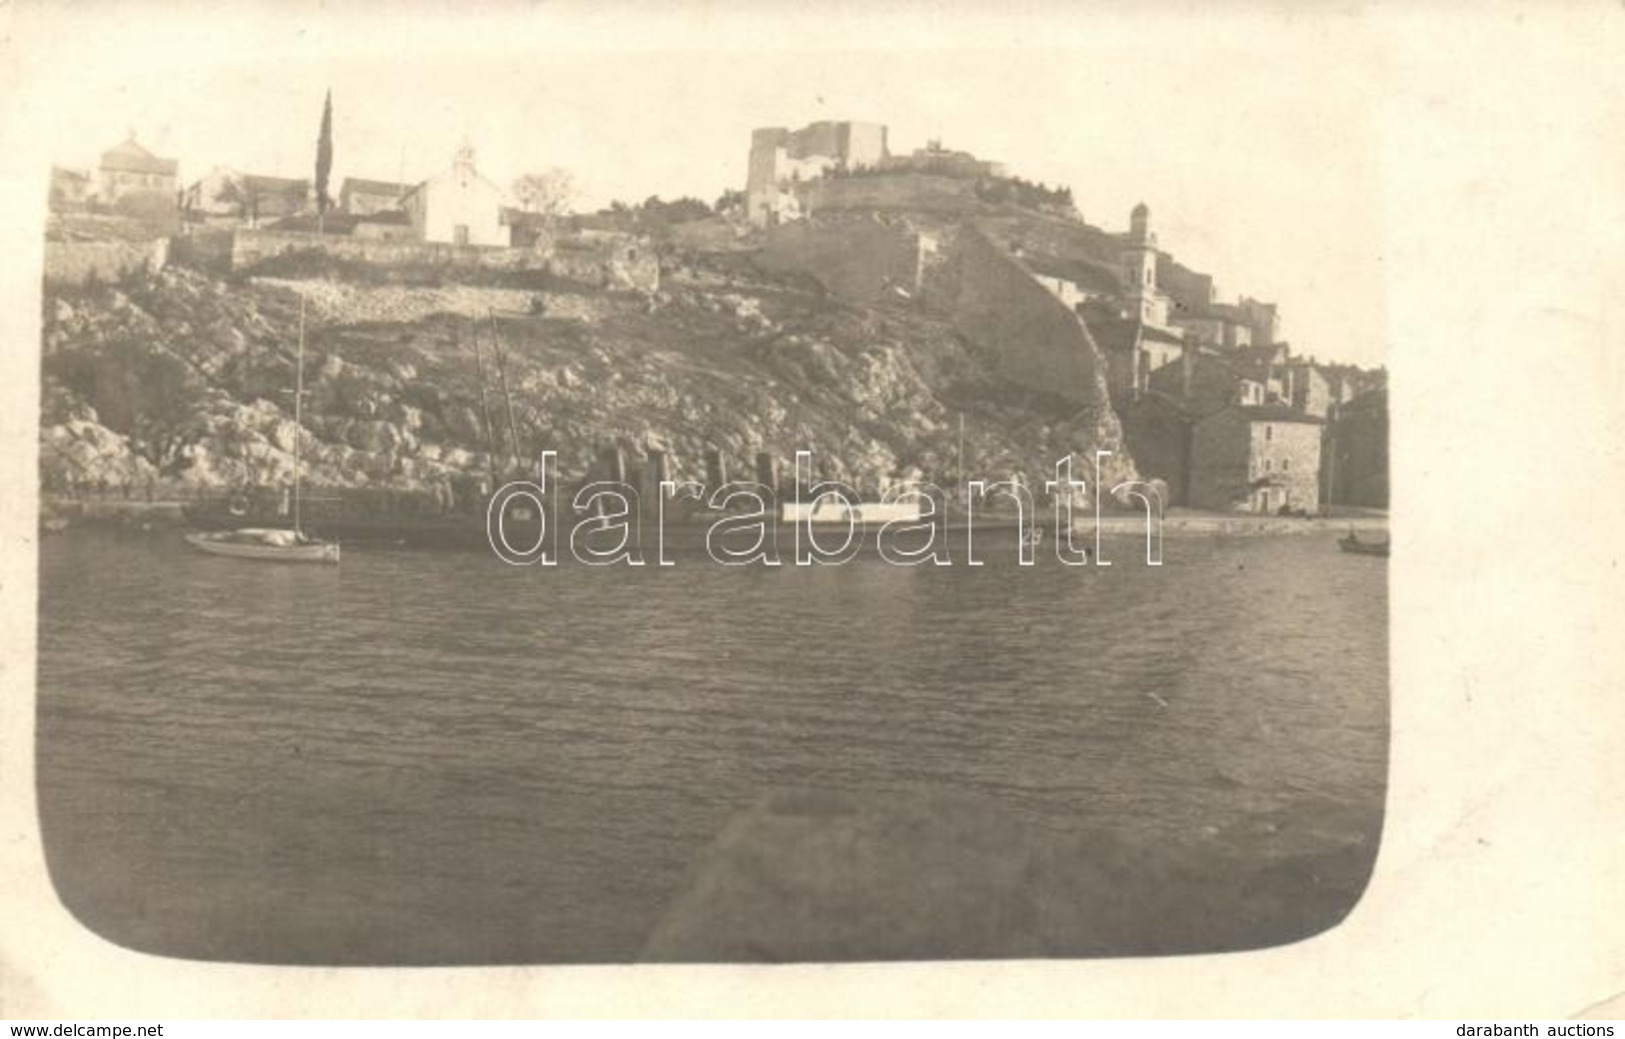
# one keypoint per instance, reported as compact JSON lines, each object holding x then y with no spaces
{"x":1251,"y":134}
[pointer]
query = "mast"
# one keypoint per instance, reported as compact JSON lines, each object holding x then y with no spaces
{"x":959,"y":459}
{"x":507,"y":398}
{"x":485,"y":407}
{"x":1331,"y":462}
{"x":298,"y":411}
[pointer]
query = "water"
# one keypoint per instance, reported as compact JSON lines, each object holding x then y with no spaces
{"x":436,"y":758}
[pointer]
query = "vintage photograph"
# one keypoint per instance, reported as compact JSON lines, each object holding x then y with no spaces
{"x":732,"y":506}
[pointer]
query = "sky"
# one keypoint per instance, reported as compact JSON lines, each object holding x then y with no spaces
{"x":1251,"y":135}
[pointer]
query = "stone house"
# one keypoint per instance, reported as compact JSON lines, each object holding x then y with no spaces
{"x":1157,"y":429}
{"x":130,"y":173}
{"x":70,"y":189}
{"x":226,"y":196}
{"x":1071,"y":281}
{"x":272,"y":198}
{"x":1356,"y":449}
{"x":1255,"y":458}
{"x":458,"y":207}
{"x":1135,"y":351}
{"x":1311,"y":390}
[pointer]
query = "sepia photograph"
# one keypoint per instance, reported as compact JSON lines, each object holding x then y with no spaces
{"x":744,"y":499}
{"x":489,"y":525}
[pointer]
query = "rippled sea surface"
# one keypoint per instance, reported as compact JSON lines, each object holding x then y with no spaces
{"x":437,"y":758}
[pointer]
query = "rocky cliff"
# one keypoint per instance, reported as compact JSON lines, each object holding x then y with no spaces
{"x":185,"y":379}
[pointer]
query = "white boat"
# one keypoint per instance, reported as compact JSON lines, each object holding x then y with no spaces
{"x":266,"y":543}
{"x":271,"y":543}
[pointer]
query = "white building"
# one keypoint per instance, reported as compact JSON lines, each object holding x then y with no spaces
{"x":459,"y":206}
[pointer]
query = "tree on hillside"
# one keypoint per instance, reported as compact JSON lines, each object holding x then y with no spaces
{"x":549,"y":192}
{"x":324,"y":161}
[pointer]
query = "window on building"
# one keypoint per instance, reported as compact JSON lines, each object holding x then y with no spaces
{"x":1286,"y":463}
{"x":1269,"y":432}
{"x":1269,"y":466}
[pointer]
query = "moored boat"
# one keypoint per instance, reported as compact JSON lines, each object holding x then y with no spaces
{"x":1352,"y":543}
{"x":275,"y":544}
{"x":264,"y":543}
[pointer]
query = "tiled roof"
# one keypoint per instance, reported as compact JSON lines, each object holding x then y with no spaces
{"x":275,"y":185}
{"x":385,"y":216}
{"x":1119,"y":333}
{"x":130,"y":157}
{"x":362,"y":186}
{"x":1153,"y":332}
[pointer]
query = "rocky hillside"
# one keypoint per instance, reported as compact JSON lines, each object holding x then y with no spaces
{"x":184,"y":379}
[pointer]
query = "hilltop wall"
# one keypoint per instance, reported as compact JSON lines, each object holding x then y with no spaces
{"x":913,"y":192}
{"x":251,"y":247}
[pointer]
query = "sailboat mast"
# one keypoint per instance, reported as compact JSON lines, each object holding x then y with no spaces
{"x":298,"y":412}
{"x":485,"y":405}
{"x":507,"y":398}
{"x":959,"y":459}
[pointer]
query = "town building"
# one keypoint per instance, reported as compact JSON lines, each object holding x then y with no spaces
{"x":1256,"y":458}
{"x":1311,"y":390}
{"x":70,"y":189}
{"x":130,"y":173}
{"x":779,"y":158}
{"x":1135,"y":351}
{"x":226,"y":196}
{"x":1073,"y":282}
{"x":459,"y":206}
{"x":1356,"y":447}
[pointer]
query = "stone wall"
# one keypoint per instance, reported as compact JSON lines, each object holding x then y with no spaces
{"x":914,"y":192}
{"x":605,"y":259}
{"x":855,"y":258}
{"x":597,"y":259}
{"x":254,"y":246}
{"x":70,"y":264}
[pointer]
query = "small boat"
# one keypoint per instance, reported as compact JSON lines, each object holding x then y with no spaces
{"x":266,"y":543}
{"x":275,"y":544}
{"x":1352,"y":543}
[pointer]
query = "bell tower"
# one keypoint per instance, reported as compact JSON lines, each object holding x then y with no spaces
{"x":1137,"y":261}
